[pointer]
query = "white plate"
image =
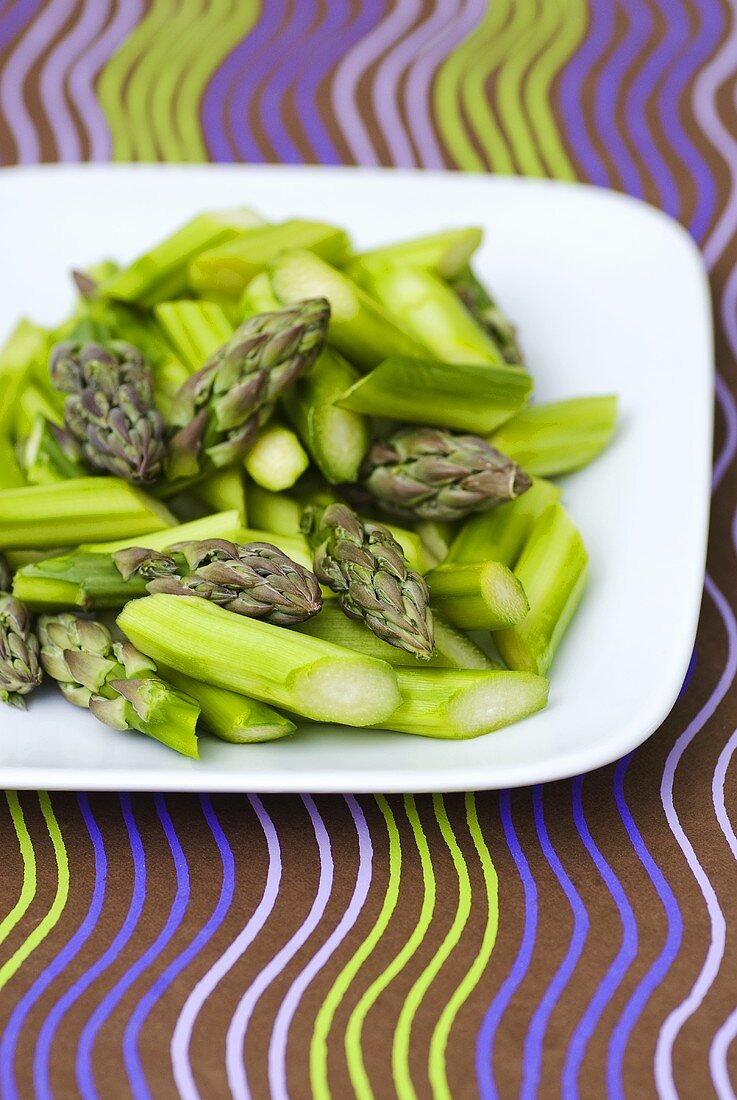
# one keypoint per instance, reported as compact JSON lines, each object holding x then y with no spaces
{"x":609,"y":294}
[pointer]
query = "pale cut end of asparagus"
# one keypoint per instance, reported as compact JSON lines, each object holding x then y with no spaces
{"x":277,"y":512}
{"x":297,"y":673}
{"x":500,"y":534}
{"x":229,"y":716}
{"x":478,"y":595}
{"x":277,"y":458}
{"x":219,"y":525}
{"x":453,"y":704}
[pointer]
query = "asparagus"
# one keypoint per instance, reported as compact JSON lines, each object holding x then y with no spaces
{"x":20,"y":672}
{"x":230,"y":267}
{"x":220,"y":408}
{"x":430,"y":311}
{"x":161,"y":272}
{"x":224,"y":490}
{"x":50,"y":454}
{"x":499,"y":535}
{"x":115,"y":682}
{"x":455,"y":704}
{"x":477,"y":595}
{"x":230,"y":716}
{"x":6,"y":574}
{"x":446,"y":253}
{"x":277,"y":458}
{"x":429,"y":473}
{"x":110,"y":408}
{"x":294,"y":546}
{"x":336,"y":439}
{"x":280,"y":513}
{"x":78,"y":579}
{"x":259,"y":297}
{"x":468,"y":397}
{"x":281,"y":667}
{"x":365,"y":565}
{"x":359,"y":328}
{"x":486,"y":313}
{"x":436,"y":537}
{"x":195,"y":330}
{"x":453,"y":648}
{"x":219,"y":525}
{"x":560,"y":436}
{"x":26,"y":346}
{"x":33,"y":402}
{"x":81,"y":509}
{"x":16,"y":559}
{"x":11,"y":475}
{"x":256,"y":579}
{"x":552,"y":569}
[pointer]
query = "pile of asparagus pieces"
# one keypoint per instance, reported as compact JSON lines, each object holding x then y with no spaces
{"x":308,"y":480}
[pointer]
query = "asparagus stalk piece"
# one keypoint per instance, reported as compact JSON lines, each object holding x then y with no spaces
{"x":469,"y":397}
{"x":294,"y":545}
{"x":446,"y":253}
{"x":224,"y":490}
{"x":115,"y":682}
{"x":277,"y":458}
{"x":231,"y":266}
{"x":33,"y":402}
{"x":455,"y":704}
{"x":16,"y":559}
{"x":79,"y":579}
{"x":221,"y":407}
{"x":453,"y":648}
{"x":336,"y":439}
{"x":219,"y":525}
{"x":477,"y":595}
{"x":161,"y":272}
{"x":499,"y":535}
{"x":281,"y":667}
{"x":20,"y":671}
{"x":81,"y":509}
{"x":359,"y":328}
{"x":366,"y":567}
{"x":482,"y":307}
{"x":259,"y":297}
{"x":552,"y":569}
{"x":280,"y":513}
{"x":195,"y":330}
{"x":430,"y":311}
{"x":230,"y":716}
{"x":429,"y":473}
{"x":436,"y":537}
{"x":11,"y":475}
{"x":26,"y":346}
{"x":110,"y":408}
{"x":50,"y":454}
{"x":561,"y":436}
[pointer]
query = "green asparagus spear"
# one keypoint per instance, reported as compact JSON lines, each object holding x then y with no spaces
{"x":366,"y":567}
{"x":115,"y":682}
{"x":230,"y":716}
{"x":558,"y":437}
{"x":436,"y":537}
{"x":281,"y":667}
{"x":224,"y":490}
{"x":552,"y":569}
{"x":20,"y":672}
{"x":280,"y":513}
{"x":481,"y":306}
{"x":446,"y":253}
{"x":11,"y":475}
{"x":259,"y":297}
{"x":219,"y":525}
{"x":277,"y":458}
{"x":33,"y":402}
{"x":50,"y":454}
{"x":79,"y":579}
{"x":468,"y":397}
{"x":477,"y":596}
{"x":195,"y":330}
{"x":499,"y":535}
{"x":26,"y":346}
{"x":455,"y":704}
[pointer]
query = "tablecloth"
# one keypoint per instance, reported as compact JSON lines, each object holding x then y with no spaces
{"x":576,"y":939}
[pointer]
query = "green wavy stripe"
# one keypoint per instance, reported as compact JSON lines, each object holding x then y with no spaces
{"x":532,"y":27}
{"x":403,"y":1033}
{"x":326,"y":1014}
{"x":168,"y":71}
{"x":28,"y":889}
{"x":439,"y":1041}
{"x":356,"y":1067}
{"x":42,"y":929}
{"x":488,"y":57}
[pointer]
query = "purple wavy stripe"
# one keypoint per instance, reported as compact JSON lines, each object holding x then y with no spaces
{"x":620,"y":965}
{"x":728,"y":405}
{"x":13,"y":21}
{"x":227,"y":96}
{"x":289,"y":56}
{"x":626,"y":54}
{"x":88,"y":65}
{"x":184,"y":1027}
{"x":385,"y":86}
{"x":78,"y":38}
{"x":280,"y":1034}
{"x":138,"y":1017}
{"x":704,"y":100}
{"x":418,"y":94}
{"x":70,"y":950}
{"x":535,"y":1038}
{"x":236,"y":1037}
{"x":570,"y":91}
{"x":83,"y":1065}
{"x":497,"y":1008}
{"x":40,"y":33}
{"x":326,"y":53}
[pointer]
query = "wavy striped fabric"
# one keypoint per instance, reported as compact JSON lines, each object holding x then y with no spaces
{"x":578,"y":939}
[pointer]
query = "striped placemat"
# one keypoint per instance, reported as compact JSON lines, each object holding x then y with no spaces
{"x":577,"y":939}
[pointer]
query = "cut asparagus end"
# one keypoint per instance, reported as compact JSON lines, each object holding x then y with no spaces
{"x":446,"y":253}
{"x":468,"y":397}
{"x":224,"y":490}
{"x":281,"y":667}
{"x":553,"y":570}
{"x":500,"y":534}
{"x":560,"y":436}
{"x":229,"y":716}
{"x":195,"y":329}
{"x":478,"y":595}
{"x":158,"y":710}
{"x":277,"y":512}
{"x":259,"y":297}
{"x":277,"y":458}
{"x":219,"y":525}
{"x":457,"y":704}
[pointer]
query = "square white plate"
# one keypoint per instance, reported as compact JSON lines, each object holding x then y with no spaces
{"x":609,"y":295}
